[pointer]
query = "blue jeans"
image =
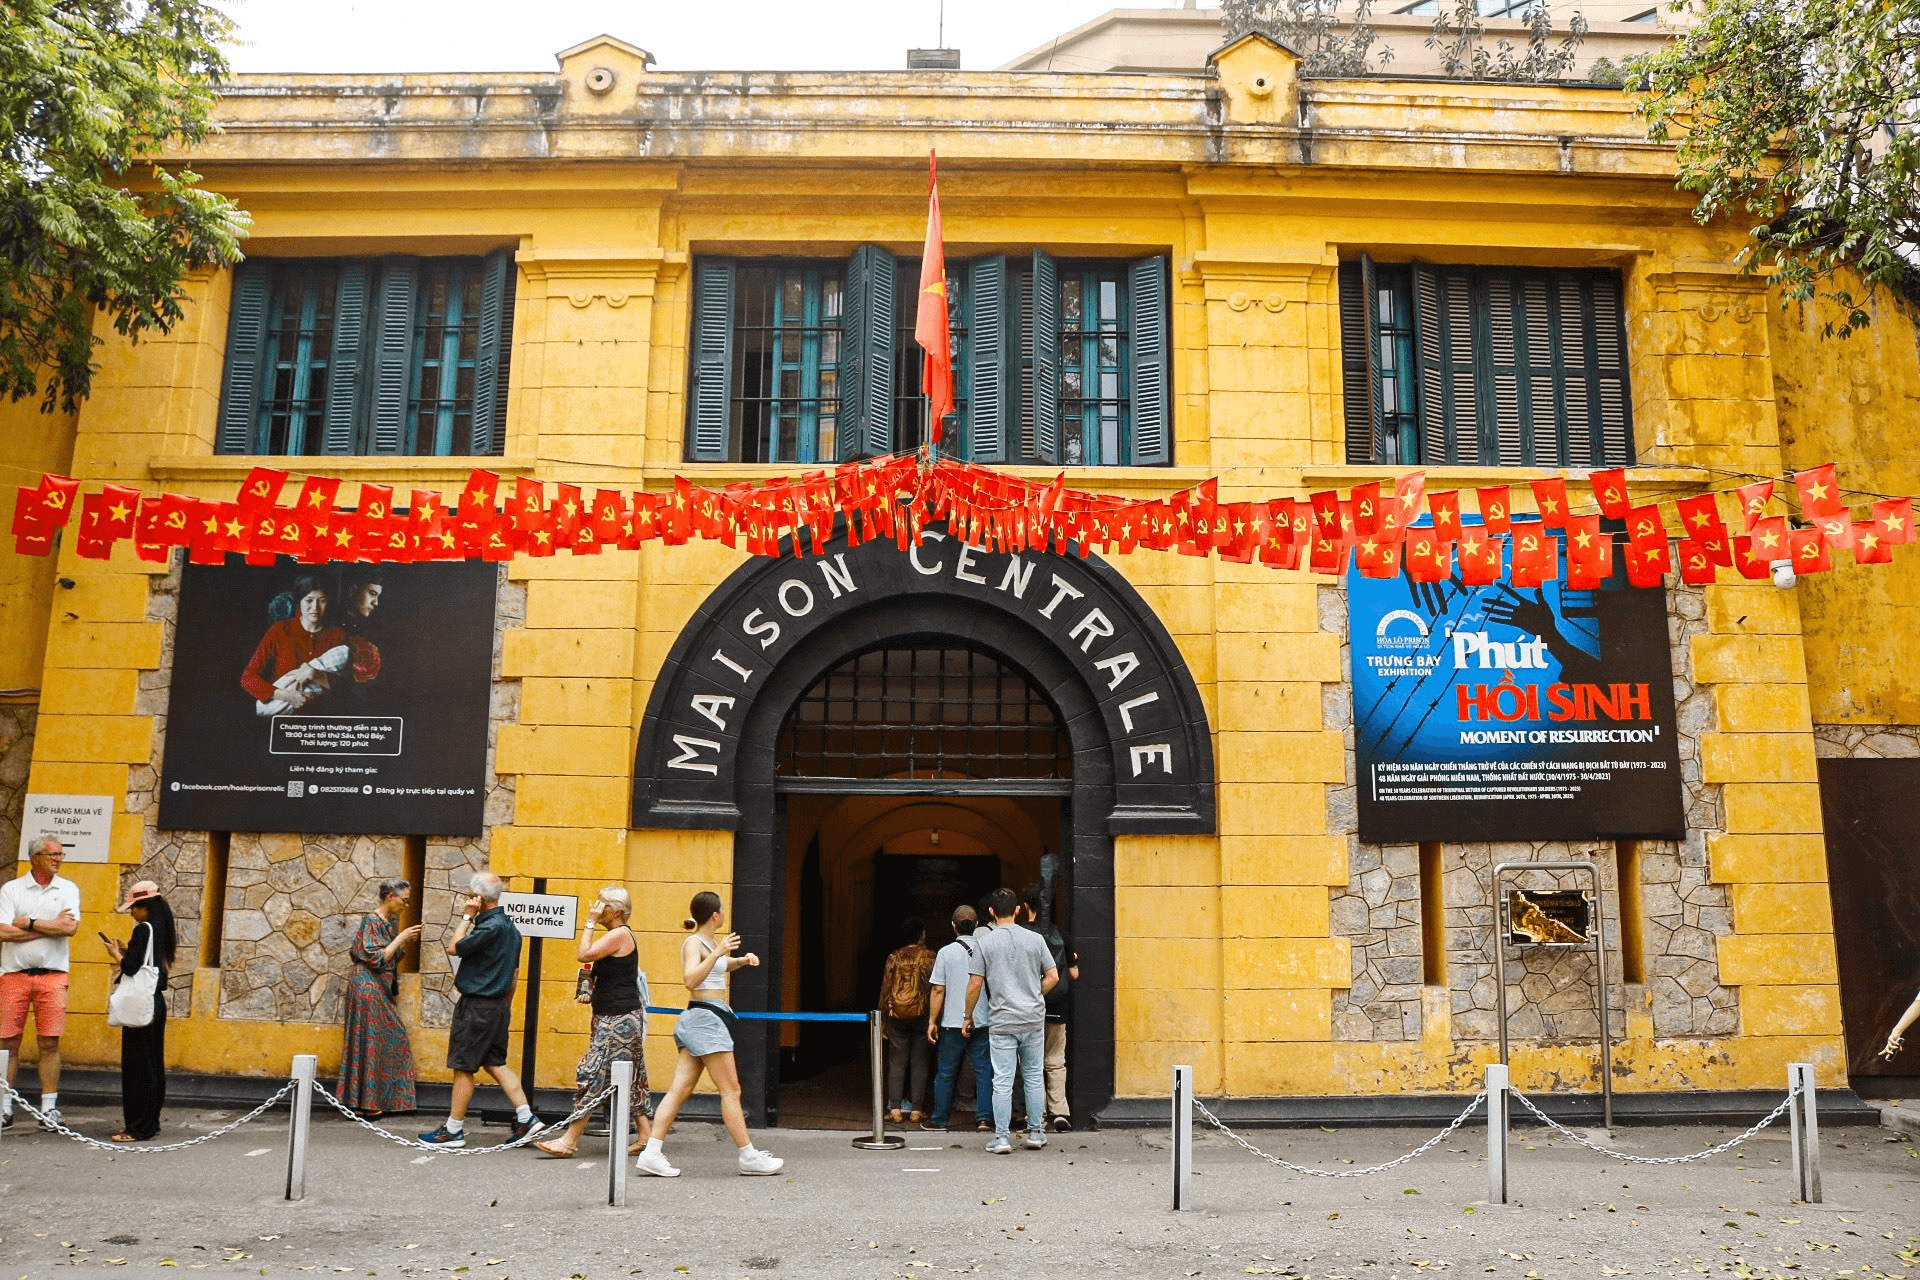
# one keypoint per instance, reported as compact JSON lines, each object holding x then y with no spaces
{"x":1027,"y":1049}
{"x":952,"y":1048}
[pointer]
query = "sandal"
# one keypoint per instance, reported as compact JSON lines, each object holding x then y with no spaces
{"x":893,"y":1116}
{"x":635,"y":1147}
{"x":553,"y":1151}
{"x":123,"y":1136}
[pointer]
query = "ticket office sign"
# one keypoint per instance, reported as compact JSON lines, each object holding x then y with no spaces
{"x":1496,"y":713}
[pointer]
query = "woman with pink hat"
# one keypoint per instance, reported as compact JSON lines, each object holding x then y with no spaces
{"x":143,"y":1050}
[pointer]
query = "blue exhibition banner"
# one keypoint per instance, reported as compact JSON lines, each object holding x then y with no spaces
{"x":1500,"y":713}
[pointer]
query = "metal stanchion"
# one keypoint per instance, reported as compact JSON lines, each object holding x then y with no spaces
{"x":1806,"y":1133}
{"x":306,"y":1068}
{"x":617,"y":1134}
{"x":6,"y":1064}
{"x":1496,"y":1133}
{"x":1182,"y":1137}
{"x":879,"y":1139}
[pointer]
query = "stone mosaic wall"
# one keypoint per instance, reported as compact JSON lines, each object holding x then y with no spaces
{"x":293,"y":902}
{"x":1866,"y":741}
{"x":1550,"y":990}
{"x":17,"y":721}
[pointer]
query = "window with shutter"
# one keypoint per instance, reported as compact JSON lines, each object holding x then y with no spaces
{"x":1053,"y":361}
{"x":345,"y":356}
{"x":1511,"y":366}
{"x":1357,"y":378}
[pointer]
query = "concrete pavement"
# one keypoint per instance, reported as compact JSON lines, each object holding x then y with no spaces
{"x":1090,"y":1204}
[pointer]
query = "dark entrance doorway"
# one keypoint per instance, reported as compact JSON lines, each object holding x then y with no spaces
{"x":885,"y":723}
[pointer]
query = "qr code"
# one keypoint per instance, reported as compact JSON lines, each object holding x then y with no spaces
{"x":296,"y":790}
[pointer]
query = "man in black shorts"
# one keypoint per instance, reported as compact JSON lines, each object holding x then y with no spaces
{"x":488,"y":946}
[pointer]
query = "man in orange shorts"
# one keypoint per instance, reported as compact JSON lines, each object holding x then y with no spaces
{"x":39,"y":912}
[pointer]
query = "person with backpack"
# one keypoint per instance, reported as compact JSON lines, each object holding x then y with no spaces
{"x":903,"y":1003}
{"x":947,"y":1031}
{"x":1038,"y":917}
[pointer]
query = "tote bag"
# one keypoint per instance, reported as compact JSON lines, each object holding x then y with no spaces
{"x":131,"y":1003}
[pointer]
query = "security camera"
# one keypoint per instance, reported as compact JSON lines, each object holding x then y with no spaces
{"x":1783,"y":576}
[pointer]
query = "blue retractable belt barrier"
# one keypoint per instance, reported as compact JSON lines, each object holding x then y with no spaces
{"x":781,"y":1017}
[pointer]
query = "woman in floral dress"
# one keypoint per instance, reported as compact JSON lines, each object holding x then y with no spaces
{"x":376,"y":1062}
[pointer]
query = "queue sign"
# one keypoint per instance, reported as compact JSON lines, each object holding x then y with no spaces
{"x":543,"y":915}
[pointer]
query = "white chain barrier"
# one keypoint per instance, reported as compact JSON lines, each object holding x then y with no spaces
{"x":140,"y":1148}
{"x":1414,"y":1154}
{"x":586,"y":1108}
{"x":1622,"y":1156}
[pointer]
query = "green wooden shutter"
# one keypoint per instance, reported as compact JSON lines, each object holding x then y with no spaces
{"x":497,"y":286}
{"x":990,"y":341}
{"x":246,"y":344}
{"x":345,"y":361}
{"x":1150,"y":357}
{"x":1504,"y":373}
{"x":1046,"y":358}
{"x":1615,"y":399}
{"x":1444,"y":315}
{"x":393,"y":370}
{"x":710,"y":416}
{"x":1359,"y":374}
{"x":867,"y":350}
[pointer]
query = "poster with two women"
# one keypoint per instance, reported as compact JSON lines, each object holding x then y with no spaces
{"x":345,"y":698}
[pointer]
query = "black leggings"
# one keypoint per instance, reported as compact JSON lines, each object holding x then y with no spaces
{"x":143,"y":1073}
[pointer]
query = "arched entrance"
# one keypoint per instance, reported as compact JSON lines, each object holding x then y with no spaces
{"x":1128,"y":748}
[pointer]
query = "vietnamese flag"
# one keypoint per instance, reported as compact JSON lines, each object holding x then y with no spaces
{"x":1699,"y":516}
{"x":1480,"y":556}
{"x":1446,"y":514}
{"x":121,"y":506}
{"x":1589,"y":576}
{"x":318,"y":495}
{"x":1819,"y":493}
{"x":930,"y":317}
{"x":476,"y":500}
{"x":1377,"y":559}
{"x":1753,"y":501}
{"x":1407,"y":492}
{"x":1750,"y":560}
{"x":1893,"y":517}
{"x":1550,"y":500}
{"x":1770,"y":539}
{"x":1810,"y":551}
{"x":1870,"y":546}
{"x":1496,"y":507}
{"x":1585,"y":538}
{"x":1648,"y":563}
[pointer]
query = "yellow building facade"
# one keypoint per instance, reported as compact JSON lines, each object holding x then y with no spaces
{"x":1262,"y":942}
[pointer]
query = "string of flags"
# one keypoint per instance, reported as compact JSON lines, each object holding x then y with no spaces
{"x":1378,"y":527}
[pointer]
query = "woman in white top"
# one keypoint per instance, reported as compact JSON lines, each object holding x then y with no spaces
{"x":705,"y":1036}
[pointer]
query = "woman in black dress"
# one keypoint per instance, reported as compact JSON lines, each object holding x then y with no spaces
{"x":143,"y":1050}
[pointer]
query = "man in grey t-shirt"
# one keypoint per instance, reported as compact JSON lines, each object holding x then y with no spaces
{"x":1017,"y":970}
{"x":947,"y":1019}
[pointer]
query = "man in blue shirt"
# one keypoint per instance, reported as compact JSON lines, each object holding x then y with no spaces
{"x":488,"y":947}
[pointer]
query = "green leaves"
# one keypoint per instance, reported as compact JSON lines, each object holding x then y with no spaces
{"x":1795,"y":118}
{"x":93,"y":225}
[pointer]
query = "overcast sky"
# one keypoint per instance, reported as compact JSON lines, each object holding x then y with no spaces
{"x":684,"y":35}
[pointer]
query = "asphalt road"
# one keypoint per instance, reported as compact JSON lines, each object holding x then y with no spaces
{"x":1090,"y":1204}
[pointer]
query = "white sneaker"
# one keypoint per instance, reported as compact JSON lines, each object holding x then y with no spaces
{"x":654,"y":1164}
{"x":1035,"y":1140}
{"x":759,"y":1164}
{"x":49,"y":1118}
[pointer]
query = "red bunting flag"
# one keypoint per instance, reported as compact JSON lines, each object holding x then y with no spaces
{"x":1770,"y":539}
{"x":261,"y":488}
{"x":1749,"y":559}
{"x":1819,"y":493}
{"x":1366,"y":507}
{"x":1496,"y":507}
{"x":1837,"y":529}
{"x":1894,"y":518}
{"x":1550,"y":500}
{"x":477,"y":498}
{"x":1870,"y":546}
{"x":609,"y":514}
{"x":57,"y":499}
{"x":119,"y":505}
{"x":930,"y":313}
{"x":1810,"y":551}
{"x":318,"y":495}
{"x":1446,"y":514}
{"x":1480,"y":556}
{"x":1280,"y":550}
{"x":1428,"y":558}
{"x":529,"y":503}
{"x":1699,"y":515}
{"x":376,"y":501}
{"x":1753,"y":502}
{"x":1588,"y":546}
{"x":1536,"y":554}
{"x":1649,"y":558}
{"x":93,"y":541}
{"x":1610,"y":492}
{"x":1407,"y":491}
{"x":566,"y":512}
{"x":27,"y":516}
{"x":1645,"y":529}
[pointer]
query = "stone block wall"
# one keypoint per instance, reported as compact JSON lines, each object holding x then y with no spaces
{"x":1550,"y":991}
{"x":293,"y":902}
{"x":16,"y":756}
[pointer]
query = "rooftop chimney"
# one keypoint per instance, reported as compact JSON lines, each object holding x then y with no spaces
{"x":933,"y":59}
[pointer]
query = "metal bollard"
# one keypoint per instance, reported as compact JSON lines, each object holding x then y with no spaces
{"x":1182,"y":1138}
{"x":1806,"y":1133}
{"x":879,"y":1139}
{"x":1496,"y":1133}
{"x":306,"y":1068}
{"x":617,"y":1135}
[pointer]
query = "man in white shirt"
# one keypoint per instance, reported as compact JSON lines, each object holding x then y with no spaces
{"x":39,"y":912}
